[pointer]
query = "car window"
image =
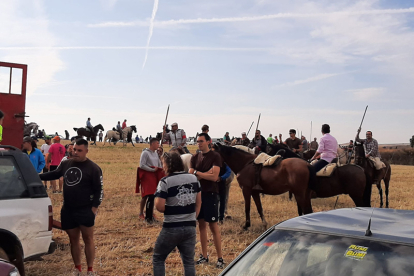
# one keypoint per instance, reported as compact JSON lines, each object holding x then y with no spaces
{"x":297,"y":253}
{"x":11,"y":181}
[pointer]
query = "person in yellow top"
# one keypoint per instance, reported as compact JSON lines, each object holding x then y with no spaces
{"x":1,"y":127}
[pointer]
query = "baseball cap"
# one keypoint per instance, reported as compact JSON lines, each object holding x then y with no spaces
{"x":57,"y":138}
{"x":47,"y":137}
{"x":174,"y":124}
{"x":243,"y":133}
{"x":34,"y":138}
{"x":27,"y":139}
{"x":292,"y":131}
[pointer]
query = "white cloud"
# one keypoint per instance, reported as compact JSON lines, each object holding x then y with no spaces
{"x":108,"y":4}
{"x":178,"y":48}
{"x":255,"y":18}
{"x":30,"y":30}
{"x":311,"y":79}
{"x":365,"y":94}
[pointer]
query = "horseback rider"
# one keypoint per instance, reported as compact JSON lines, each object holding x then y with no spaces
{"x":226,"y":139}
{"x":294,"y":143}
{"x":371,"y":151}
{"x":177,"y":137}
{"x":119,"y":129}
{"x":258,"y":142}
{"x":327,"y":149}
{"x":89,"y":125}
{"x":244,"y":141}
{"x":314,"y":144}
{"x":124,"y":125}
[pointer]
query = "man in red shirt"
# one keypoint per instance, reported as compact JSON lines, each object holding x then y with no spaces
{"x":56,"y":153}
{"x":124,"y":124}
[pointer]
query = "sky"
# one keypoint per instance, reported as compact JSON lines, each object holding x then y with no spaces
{"x":219,"y":63}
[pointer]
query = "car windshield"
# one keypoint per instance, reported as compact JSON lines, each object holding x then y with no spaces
{"x":296,"y":253}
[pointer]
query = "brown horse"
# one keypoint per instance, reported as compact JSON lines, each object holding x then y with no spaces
{"x":347,"y":179}
{"x":290,"y":175}
{"x":370,"y":170}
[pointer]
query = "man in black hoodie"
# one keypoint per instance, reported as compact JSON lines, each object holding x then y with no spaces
{"x":82,"y":195}
{"x":259,"y":143}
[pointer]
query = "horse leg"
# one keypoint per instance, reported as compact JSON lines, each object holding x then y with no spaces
{"x":304,"y":202}
{"x":247,"y":193}
{"x":258,"y":202}
{"x":380,"y":193}
{"x":387,"y":186}
{"x":299,"y":209}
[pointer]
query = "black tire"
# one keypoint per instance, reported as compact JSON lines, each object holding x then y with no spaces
{"x":3,"y":255}
{"x":18,"y":262}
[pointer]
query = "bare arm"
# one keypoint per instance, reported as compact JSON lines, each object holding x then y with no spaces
{"x":213,"y":176}
{"x":160,"y":204}
{"x":198,"y":203}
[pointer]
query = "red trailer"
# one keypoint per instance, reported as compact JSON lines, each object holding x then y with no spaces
{"x":13,"y":79}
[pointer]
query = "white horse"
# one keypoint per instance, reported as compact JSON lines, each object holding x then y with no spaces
{"x":28,"y":128}
{"x":126,"y":135}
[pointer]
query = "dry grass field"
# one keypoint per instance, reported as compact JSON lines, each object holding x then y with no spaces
{"x":125,"y":243}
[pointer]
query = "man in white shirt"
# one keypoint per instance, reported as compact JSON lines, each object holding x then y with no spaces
{"x":45,"y":151}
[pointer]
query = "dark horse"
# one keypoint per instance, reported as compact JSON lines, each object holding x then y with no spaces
{"x":82,"y":132}
{"x":272,"y":150}
{"x":290,"y":175}
{"x":384,"y":174}
{"x":347,"y":179}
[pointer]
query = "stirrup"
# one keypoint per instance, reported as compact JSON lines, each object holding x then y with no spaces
{"x":257,"y":187}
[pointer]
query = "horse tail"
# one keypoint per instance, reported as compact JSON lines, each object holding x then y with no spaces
{"x":312,"y":177}
{"x":367,"y":191}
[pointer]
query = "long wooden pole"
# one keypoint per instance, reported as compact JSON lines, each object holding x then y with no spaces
{"x":249,"y":129}
{"x":363,"y":117}
{"x":165,"y":123}
{"x":258,"y":121}
{"x":310,"y":137}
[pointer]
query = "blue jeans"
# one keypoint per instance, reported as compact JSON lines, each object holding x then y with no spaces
{"x":320,"y":164}
{"x":184,"y":238}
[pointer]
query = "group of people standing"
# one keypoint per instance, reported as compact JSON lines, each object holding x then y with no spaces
{"x":185,"y":197}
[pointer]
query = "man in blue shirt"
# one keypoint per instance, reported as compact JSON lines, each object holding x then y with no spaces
{"x":35,"y":155}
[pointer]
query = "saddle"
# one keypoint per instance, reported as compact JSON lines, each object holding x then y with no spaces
{"x":376,"y":163}
{"x":266,"y":160}
{"x":327,"y":170}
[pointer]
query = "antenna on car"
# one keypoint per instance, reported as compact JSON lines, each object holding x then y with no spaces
{"x":368,"y":232}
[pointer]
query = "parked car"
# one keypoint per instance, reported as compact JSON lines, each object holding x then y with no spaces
{"x":7,"y":268}
{"x":354,"y":241}
{"x":26,"y":215}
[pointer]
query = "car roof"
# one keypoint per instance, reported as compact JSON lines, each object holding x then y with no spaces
{"x":386,"y":224}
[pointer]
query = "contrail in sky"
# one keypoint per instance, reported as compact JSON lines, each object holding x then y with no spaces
{"x":252,"y":18}
{"x":151,"y":28}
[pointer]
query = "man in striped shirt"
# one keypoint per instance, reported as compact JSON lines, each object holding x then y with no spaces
{"x":178,"y":197}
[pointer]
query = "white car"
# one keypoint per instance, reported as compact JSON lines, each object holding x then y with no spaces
{"x":26,"y":215}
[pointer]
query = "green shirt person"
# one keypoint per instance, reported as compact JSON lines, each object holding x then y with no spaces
{"x":1,"y":127}
{"x":270,"y":139}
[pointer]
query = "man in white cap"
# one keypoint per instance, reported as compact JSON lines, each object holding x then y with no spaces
{"x":177,"y":137}
{"x":244,"y":141}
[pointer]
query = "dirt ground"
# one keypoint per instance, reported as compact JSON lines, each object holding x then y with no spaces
{"x":124,"y":243}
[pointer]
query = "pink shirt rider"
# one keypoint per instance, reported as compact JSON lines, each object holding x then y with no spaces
{"x":328,"y":147}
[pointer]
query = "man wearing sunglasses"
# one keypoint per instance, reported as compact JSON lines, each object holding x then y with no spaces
{"x":206,"y":166}
{"x":294,"y":143}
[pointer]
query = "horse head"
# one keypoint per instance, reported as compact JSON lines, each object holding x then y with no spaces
{"x":359,"y":153}
{"x":134,"y":129}
{"x":98,"y":127}
{"x":235,"y":158}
